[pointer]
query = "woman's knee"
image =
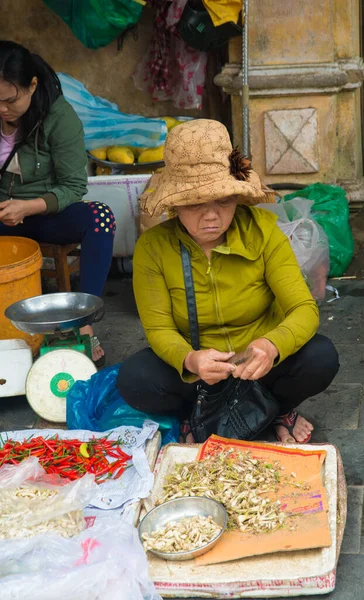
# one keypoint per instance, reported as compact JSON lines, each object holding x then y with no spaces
{"x":131,"y":379}
{"x":149,"y":384}
{"x":307,"y":373}
{"x":102,"y":217}
{"x":320,"y":357}
{"x":141,"y":377}
{"x":96,"y":217}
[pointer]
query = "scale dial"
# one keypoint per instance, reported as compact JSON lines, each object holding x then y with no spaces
{"x":50,"y":379}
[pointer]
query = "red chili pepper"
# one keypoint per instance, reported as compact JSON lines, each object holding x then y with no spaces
{"x":62,"y":457}
{"x":113,"y":454}
{"x":103,"y":471}
{"x":121,"y":453}
{"x":119,"y":473}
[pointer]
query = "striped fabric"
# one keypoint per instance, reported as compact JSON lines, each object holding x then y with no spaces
{"x":104,"y":125}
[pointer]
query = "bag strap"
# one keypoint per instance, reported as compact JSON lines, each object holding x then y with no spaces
{"x":190,"y":296}
{"x":15,"y":149}
{"x":10,"y":158}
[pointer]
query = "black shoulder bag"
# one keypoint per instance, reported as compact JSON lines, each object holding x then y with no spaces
{"x":241,"y":409}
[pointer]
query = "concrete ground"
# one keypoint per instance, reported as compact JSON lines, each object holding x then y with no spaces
{"x":336,"y":414}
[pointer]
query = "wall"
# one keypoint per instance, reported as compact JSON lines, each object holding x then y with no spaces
{"x":105,"y":72}
{"x":305,"y":76}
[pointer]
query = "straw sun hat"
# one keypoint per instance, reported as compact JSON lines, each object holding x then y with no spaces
{"x":201,"y":166}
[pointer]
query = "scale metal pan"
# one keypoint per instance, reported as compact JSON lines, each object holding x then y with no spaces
{"x":54,"y":313}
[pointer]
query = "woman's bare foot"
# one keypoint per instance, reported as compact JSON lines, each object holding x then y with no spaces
{"x":301,"y":431}
{"x":186,"y":436}
{"x":189,"y":439}
{"x":97,"y":352}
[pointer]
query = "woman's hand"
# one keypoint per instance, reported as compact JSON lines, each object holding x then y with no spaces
{"x":13,"y":212}
{"x":209,"y":365}
{"x":262,"y":356}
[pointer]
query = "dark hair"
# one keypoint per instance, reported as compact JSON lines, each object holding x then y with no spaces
{"x":18,"y":66}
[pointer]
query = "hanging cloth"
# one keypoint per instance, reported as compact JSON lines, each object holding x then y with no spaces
{"x":160,"y":50}
{"x":171,"y":70}
{"x":223,"y":11}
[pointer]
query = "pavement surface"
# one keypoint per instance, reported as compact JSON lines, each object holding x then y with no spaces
{"x":336,"y":414}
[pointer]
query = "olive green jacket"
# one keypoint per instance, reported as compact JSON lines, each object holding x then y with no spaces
{"x":251,"y":287}
{"x":53,"y":162}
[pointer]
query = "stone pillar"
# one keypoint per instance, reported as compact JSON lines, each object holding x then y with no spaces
{"x":305,"y":75}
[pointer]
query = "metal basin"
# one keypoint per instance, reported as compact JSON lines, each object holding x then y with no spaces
{"x":52,"y":313}
{"x":180,"y":508}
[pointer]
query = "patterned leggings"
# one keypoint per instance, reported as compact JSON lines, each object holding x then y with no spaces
{"x":90,"y":224}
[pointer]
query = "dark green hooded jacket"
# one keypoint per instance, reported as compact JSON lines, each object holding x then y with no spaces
{"x":52,"y":162}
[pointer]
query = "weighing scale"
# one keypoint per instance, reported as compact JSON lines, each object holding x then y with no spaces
{"x":65,"y":355}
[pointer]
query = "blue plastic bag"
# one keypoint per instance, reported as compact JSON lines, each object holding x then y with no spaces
{"x":104,"y":125}
{"x":96,"y":405}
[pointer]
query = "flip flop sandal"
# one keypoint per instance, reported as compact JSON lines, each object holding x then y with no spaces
{"x":184,"y":430}
{"x":94,"y":344}
{"x":289,"y":422}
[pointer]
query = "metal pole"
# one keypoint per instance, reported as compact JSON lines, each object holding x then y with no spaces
{"x":245,"y":82}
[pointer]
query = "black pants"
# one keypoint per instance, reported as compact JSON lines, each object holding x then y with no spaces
{"x":150,"y":385}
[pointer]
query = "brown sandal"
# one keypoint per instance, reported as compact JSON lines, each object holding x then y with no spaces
{"x":289,"y":421}
{"x":184,"y":430}
{"x":100,"y":362}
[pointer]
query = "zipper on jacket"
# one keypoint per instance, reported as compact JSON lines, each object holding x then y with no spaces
{"x":217,"y":310}
{"x":37,"y":161}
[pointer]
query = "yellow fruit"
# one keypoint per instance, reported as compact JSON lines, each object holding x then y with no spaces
{"x":171,"y":122}
{"x":103,"y":171}
{"x":152,"y":155}
{"x":99,"y":153}
{"x":174,"y":125}
{"x":120,"y":154}
{"x":84,"y":450}
{"x":137,"y":151}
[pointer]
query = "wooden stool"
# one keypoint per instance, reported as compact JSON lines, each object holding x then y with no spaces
{"x":62,"y":269}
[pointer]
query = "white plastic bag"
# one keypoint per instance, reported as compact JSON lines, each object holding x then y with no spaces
{"x":104,"y":562}
{"x":308,"y":240}
{"x":44,"y":502}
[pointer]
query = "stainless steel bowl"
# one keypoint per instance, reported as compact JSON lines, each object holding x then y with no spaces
{"x":52,"y":313}
{"x":175,"y":510}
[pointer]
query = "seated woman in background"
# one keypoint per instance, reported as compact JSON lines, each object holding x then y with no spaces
{"x":43,"y":170}
{"x":248,"y":286}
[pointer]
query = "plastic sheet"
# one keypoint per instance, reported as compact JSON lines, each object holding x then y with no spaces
{"x":308,"y":240}
{"x":96,"y":23}
{"x":22,"y":516}
{"x":96,"y":405}
{"x":104,"y":125}
{"x":331,"y":210}
{"x":104,"y":562}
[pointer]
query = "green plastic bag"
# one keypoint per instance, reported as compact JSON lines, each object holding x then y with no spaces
{"x":331,"y":211}
{"x":97,"y":23}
